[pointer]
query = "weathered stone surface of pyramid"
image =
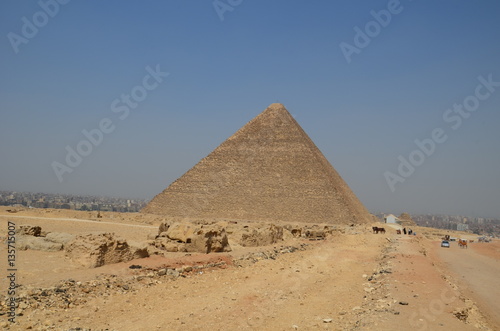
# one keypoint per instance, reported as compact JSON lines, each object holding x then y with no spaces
{"x":269,"y":170}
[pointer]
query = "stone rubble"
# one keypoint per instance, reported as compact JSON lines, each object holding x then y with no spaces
{"x":71,"y":294}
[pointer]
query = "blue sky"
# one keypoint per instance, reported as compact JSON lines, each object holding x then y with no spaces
{"x":363,"y":114}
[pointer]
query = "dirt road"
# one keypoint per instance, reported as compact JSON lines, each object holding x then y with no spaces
{"x":479,"y":274}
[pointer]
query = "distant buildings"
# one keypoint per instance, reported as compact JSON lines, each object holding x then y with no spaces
{"x":479,"y":226}
{"x":64,"y":201}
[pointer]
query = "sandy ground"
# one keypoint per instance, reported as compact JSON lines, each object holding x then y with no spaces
{"x":353,"y":281}
{"x":478,"y":269}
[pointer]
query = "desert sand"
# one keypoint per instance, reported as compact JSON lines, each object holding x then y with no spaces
{"x":352,"y":280}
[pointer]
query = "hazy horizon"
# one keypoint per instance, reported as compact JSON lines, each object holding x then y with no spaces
{"x":402,"y":97}
{"x":387,"y":212}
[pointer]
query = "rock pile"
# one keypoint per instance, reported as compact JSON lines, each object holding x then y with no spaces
{"x":70,"y":293}
{"x":192,"y":237}
{"x":258,"y":234}
{"x":217,"y":236}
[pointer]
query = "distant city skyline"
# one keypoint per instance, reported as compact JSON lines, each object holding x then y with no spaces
{"x":122,"y":98}
{"x":23,"y":196}
{"x":67,"y":201}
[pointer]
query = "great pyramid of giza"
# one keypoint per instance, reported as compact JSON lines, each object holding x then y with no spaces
{"x":269,"y":170}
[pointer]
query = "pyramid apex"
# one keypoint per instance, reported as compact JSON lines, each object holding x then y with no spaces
{"x":276,"y":106}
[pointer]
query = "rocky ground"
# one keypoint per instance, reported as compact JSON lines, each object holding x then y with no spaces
{"x":350,"y":280}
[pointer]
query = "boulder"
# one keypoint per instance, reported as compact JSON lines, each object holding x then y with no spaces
{"x":29,"y":230}
{"x":163,"y":227}
{"x":59,"y":237}
{"x":259,"y":235}
{"x":208,"y":239}
{"x":315,"y":234}
{"x":171,"y":246}
{"x":181,"y":232}
{"x":37,"y":244}
{"x":138,"y":249}
{"x":95,"y":250}
{"x":294,"y":230}
{"x":287,"y":235}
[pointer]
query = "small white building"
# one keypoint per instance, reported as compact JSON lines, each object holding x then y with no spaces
{"x":392,"y":219}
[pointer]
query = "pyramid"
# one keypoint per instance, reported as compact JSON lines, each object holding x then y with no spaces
{"x":269,"y":170}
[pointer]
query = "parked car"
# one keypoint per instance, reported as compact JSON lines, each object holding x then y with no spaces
{"x":445,"y":243}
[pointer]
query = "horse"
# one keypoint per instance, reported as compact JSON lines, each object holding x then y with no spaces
{"x":462,"y":243}
{"x":377,"y":229}
{"x":398,"y":231}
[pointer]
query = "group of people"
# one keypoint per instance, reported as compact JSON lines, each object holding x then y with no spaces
{"x":409,"y":231}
